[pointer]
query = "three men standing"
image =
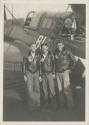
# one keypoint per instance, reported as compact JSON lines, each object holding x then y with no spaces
{"x":49,"y":66}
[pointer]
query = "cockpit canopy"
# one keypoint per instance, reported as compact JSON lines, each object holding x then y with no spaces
{"x":32,"y":20}
{"x":50,"y":22}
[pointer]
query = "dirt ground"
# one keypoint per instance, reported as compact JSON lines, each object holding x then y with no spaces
{"x":15,"y":106}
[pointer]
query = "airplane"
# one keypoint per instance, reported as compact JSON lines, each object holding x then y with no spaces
{"x":47,"y":27}
{"x":39,"y":27}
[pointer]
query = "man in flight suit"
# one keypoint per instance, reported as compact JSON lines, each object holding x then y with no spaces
{"x":64,"y":61}
{"x":46,"y":74}
{"x":32,"y":74}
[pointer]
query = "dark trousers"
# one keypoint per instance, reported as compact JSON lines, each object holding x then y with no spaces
{"x":33,"y":89}
{"x":48,"y":87}
{"x":64,"y":88}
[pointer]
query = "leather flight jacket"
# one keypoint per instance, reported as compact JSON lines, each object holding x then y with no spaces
{"x":33,"y":65}
{"x":47,"y":64}
{"x":63,"y":61}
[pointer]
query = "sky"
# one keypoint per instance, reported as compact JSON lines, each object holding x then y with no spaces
{"x":21,"y":10}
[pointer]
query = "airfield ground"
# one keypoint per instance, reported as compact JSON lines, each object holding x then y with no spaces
{"x":15,"y":106}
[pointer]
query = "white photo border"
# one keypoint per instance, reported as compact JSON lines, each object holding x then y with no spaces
{"x":86,"y":122}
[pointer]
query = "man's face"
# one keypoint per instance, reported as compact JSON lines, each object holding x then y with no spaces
{"x":33,"y":47}
{"x":60,"y":46}
{"x":45,"y":48}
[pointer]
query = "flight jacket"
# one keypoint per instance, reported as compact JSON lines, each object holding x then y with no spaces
{"x":32,"y":65}
{"x":63,"y":60}
{"x":47,"y":64}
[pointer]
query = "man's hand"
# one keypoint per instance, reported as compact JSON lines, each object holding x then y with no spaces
{"x":25,"y":78}
{"x":30,"y":59}
{"x":83,"y":75}
{"x":56,"y":57}
{"x":40,"y":78}
{"x":54,"y":76}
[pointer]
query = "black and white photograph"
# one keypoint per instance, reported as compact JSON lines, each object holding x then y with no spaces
{"x":44,"y":62}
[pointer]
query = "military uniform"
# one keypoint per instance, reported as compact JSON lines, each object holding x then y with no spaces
{"x":32,"y":72}
{"x":47,"y":78}
{"x":64,"y":61}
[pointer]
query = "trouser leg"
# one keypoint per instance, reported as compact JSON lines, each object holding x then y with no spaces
{"x":30,"y":90}
{"x":59,"y":81}
{"x":51,"y":85}
{"x":51,"y":90}
{"x":45,"y":88}
{"x":36,"y":88}
{"x":33,"y":90}
{"x":67,"y":89}
{"x":61,"y":95}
